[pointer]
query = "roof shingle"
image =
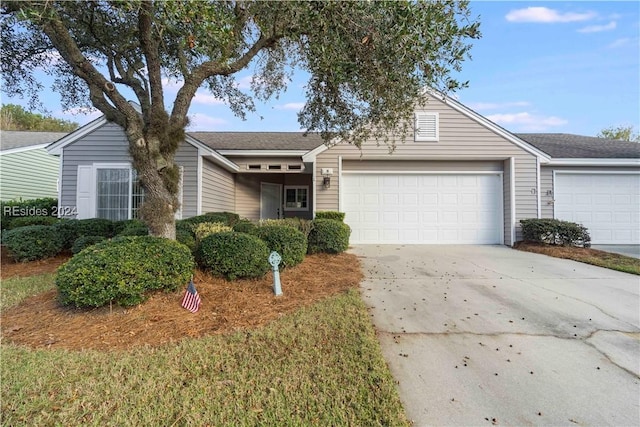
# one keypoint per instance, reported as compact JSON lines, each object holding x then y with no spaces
{"x":10,"y":139}
{"x":568,"y":146}
{"x":258,"y":140}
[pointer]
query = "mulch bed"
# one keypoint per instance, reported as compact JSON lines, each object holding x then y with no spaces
{"x":10,"y":268}
{"x":41,"y":322}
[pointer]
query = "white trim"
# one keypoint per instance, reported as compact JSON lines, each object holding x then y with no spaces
{"x":60,"y":181}
{"x":263,"y":153}
{"x":294,"y":187}
{"x":539,"y":203}
{"x":311,"y":155}
{"x":56,"y":147}
{"x":108,"y":165}
{"x":200,"y":171}
{"x":340,"y":192}
{"x":23,"y":149}
{"x":314,"y":185}
{"x":512,"y":190}
{"x":596,"y":172}
{"x":418,"y":172}
{"x":203,"y":150}
{"x":431,"y":158}
{"x":594,"y":162}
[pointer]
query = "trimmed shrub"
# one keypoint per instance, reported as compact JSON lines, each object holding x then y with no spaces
{"x":32,"y":242}
{"x":119,"y":226}
{"x":186,"y":238}
{"x":85,"y":242}
{"x":245,"y":226}
{"x":233,"y":255}
{"x":300,"y":224}
{"x":14,"y":209}
{"x":290,"y":243}
{"x":23,"y":221}
{"x":338,"y":216}
{"x":69,"y":230}
{"x":329,"y":236}
{"x":122,"y":270}
{"x":204,"y":229}
{"x":134,"y":227}
{"x":227,"y":218}
{"x":555,"y":232}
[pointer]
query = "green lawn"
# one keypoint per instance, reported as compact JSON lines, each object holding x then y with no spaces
{"x":319,"y":366}
{"x":14,"y":290}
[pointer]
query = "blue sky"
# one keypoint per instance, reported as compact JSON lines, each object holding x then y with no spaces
{"x":570,"y":67}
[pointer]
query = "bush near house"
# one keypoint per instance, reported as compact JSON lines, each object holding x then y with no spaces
{"x":23,"y":221}
{"x":338,"y":216}
{"x":84,"y":242}
{"x":205,"y":229}
{"x":301,"y":224}
{"x":233,"y":255}
{"x":15,"y":209}
{"x":227,"y":218}
{"x":122,"y":270}
{"x":69,"y":230}
{"x":329,"y":236}
{"x":32,"y":242}
{"x":555,"y":232}
{"x":244,"y":226}
{"x":289,"y":242}
{"x":186,"y":238}
{"x":130,"y":227}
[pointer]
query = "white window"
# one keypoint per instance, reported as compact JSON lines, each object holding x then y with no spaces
{"x":118,"y":193}
{"x":296,"y":198}
{"x":108,"y":190}
{"x":427,"y":127}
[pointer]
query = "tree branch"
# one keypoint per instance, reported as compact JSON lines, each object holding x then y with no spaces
{"x":149,"y":44}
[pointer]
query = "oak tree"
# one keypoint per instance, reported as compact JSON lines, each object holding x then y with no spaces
{"x":369,"y":63}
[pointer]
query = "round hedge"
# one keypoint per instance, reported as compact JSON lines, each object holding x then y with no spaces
{"x":69,"y":230}
{"x":328,"y":235}
{"x":32,"y":242}
{"x":233,"y":255}
{"x":289,"y":242}
{"x":121,"y":270}
{"x":23,"y":221}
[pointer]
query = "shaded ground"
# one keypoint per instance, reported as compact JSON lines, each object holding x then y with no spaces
{"x":587,"y":255}
{"x":41,"y":322}
{"x":9,"y":268}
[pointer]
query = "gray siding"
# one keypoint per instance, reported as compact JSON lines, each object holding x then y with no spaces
{"x":218,"y":189}
{"x":248,"y":193}
{"x":461,"y":138}
{"x":28,"y":175}
{"x":546,"y":182}
{"x":108,"y":144}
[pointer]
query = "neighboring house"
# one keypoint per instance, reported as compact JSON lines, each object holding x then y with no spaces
{"x":26,"y":170}
{"x":459,"y":178}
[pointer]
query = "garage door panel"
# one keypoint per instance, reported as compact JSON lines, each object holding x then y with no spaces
{"x":608,"y":204}
{"x":431,"y":208}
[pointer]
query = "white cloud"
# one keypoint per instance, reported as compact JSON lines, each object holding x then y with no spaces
{"x":619,"y":43}
{"x":598,"y":28}
{"x":546,"y":15}
{"x":297,"y":106}
{"x":526,"y":121}
{"x":202,"y":122}
{"x":207,"y":99}
{"x":245,"y":82}
{"x":484,"y":106}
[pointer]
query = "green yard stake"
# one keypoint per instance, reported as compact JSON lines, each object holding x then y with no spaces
{"x":274,"y":260}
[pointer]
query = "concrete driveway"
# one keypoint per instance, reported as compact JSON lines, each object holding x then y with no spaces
{"x":482,"y":335}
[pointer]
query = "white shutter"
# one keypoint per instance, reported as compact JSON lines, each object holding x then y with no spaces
{"x":85,"y":192}
{"x":427,"y":127}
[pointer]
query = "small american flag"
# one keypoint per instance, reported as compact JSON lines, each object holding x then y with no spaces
{"x":191,"y":300}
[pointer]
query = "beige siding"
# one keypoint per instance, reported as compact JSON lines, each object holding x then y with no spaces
{"x":546,"y":182}
{"x":461,"y":139}
{"x":421,"y":166}
{"x":218,"y":189}
{"x":248,"y":193}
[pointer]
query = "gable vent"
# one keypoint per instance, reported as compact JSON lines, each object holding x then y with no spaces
{"x":427,"y":127}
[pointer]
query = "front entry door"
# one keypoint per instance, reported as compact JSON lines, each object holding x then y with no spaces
{"x":270,"y":200}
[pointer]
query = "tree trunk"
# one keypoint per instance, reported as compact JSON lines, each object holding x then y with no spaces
{"x":159,"y":177}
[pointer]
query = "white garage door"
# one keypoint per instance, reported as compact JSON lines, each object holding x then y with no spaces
{"x":607,"y":204}
{"x":423,"y":208}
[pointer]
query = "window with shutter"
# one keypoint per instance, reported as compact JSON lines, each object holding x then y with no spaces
{"x":427,"y":127}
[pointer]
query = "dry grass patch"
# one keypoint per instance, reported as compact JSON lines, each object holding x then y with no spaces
{"x":587,"y":255}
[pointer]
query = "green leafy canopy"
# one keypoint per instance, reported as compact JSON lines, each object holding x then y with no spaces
{"x":368,"y":61}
